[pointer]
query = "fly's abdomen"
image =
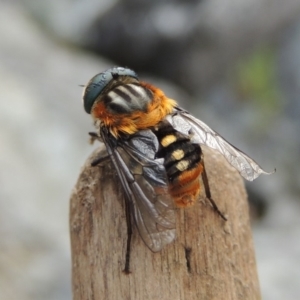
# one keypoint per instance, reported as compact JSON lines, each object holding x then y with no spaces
{"x":182,"y":161}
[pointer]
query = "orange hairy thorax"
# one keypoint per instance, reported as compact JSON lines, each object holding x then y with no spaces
{"x":157,"y":109}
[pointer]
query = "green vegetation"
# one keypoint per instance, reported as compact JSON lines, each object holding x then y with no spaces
{"x":256,"y":79}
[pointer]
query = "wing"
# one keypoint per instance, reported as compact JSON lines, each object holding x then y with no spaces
{"x":144,"y":181}
{"x":202,"y":134}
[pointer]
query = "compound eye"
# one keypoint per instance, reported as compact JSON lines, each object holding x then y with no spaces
{"x":98,"y":83}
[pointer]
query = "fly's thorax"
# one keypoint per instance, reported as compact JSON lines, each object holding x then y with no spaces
{"x":127,"y":99}
{"x":123,"y":97}
{"x":130,"y":107}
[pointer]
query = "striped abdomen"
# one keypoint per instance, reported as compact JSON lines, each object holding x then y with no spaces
{"x":182,"y":161}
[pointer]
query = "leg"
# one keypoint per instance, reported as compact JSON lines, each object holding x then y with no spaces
{"x":113,"y":155}
{"x":208,"y":194}
{"x":99,"y":160}
{"x":129,"y":235}
{"x":93,"y":137}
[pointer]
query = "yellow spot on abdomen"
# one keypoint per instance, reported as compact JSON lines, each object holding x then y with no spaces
{"x":168,"y":140}
{"x":183,"y":165}
{"x":178,"y":154}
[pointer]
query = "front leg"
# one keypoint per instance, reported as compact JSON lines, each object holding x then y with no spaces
{"x":102,"y":156}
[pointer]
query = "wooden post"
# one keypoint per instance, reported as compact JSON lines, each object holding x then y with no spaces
{"x":210,"y":258}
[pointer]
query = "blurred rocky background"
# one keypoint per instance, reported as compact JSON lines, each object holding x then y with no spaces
{"x":235,"y":64}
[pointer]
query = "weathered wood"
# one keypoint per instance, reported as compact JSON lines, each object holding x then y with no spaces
{"x":210,"y":258}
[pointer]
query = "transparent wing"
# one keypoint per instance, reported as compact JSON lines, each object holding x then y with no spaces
{"x":202,"y":134}
{"x":145,"y":183}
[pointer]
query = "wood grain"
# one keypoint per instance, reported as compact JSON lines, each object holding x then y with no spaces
{"x":210,"y":258}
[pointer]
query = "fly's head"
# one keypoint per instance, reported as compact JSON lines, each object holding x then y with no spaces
{"x":103,"y":82}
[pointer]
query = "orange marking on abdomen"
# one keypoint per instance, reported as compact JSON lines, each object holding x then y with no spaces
{"x":185,"y":189}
